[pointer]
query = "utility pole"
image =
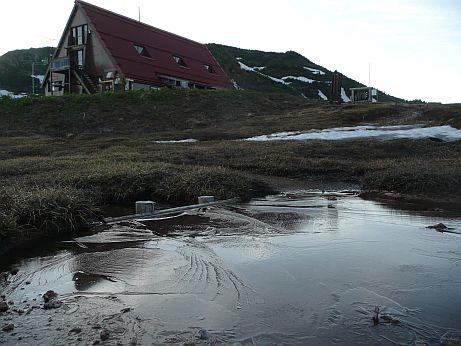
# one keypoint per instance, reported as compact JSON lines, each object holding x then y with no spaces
{"x":33,"y":77}
{"x":369,"y":75}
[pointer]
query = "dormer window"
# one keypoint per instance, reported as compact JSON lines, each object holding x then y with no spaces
{"x":180,"y":61}
{"x":209,"y":68}
{"x":142,"y":51}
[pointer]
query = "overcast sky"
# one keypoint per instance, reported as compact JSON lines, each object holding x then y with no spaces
{"x":413,"y":46}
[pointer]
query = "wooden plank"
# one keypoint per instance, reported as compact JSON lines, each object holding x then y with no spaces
{"x":164,"y":212}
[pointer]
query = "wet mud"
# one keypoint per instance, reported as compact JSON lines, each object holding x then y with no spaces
{"x":298,"y":268}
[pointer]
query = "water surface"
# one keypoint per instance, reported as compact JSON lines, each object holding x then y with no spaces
{"x":293,"y":269}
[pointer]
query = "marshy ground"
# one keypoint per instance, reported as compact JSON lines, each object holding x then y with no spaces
{"x":63,"y":159}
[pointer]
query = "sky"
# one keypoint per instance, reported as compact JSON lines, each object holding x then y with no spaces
{"x":413,"y":47}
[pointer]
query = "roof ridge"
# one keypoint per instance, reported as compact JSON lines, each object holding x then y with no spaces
{"x":137,"y":23}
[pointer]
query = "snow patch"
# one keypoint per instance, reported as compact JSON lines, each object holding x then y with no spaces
{"x":189,"y":140}
{"x":39,"y":77}
{"x":259,"y":68}
{"x":344,"y":95}
{"x":446,"y":133}
{"x":314,"y":71}
{"x":245,"y":67}
{"x":6,"y":93}
{"x":301,"y":79}
{"x":322,"y":96}
{"x":11,"y":94}
{"x":256,"y":69}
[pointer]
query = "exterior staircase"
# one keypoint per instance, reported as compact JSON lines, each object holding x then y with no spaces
{"x":88,"y":83}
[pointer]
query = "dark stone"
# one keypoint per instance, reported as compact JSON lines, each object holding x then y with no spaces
{"x":8,"y":327}
{"x":4,"y":307}
{"x":14,"y":271}
{"x":49,"y":295}
{"x":27,"y":282}
{"x":125,"y":310}
{"x":52,"y":304}
{"x":104,"y":334}
{"x":440,"y":227}
{"x":203,"y":334}
{"x":76,"y":330}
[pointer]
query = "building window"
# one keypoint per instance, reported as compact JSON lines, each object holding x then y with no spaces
{"x":180,"y":61}
{"x":79,"y":34}
{"x":209,"y":68}
{"x":142,"y":51}
{"x":80,"y":58}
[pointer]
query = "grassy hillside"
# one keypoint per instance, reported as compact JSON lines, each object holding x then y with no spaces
{"x":178,"y":113}
{"x":62,"y":158}
{"x":16,"y":69}
{"x":279,"y":65}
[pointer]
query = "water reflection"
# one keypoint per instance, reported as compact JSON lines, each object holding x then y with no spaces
{"x":289,"y":269}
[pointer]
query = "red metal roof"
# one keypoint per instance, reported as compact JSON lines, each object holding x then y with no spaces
{"x":119,"y":34}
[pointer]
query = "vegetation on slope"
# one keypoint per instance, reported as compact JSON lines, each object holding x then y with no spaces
{"x":61,"y":158}
{"x":280,"y":65}
{"x":16,"y":69}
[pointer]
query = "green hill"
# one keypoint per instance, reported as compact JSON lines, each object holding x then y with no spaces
{"x":16,"y":69}
{"x":285,"y":73}
{"x":288,"y":72}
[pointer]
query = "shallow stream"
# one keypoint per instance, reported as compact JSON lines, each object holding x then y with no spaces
{"x":301,"y":268}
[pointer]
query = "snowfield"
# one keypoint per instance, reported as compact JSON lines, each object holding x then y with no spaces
{"x":257,"y":69}
{"x":189,"y":140}
{"x":314,"y":71}
{"x":301,"y":79}
{"x":445,"y":133}
{"x":344,"y":95}
{"x":322,"y":96}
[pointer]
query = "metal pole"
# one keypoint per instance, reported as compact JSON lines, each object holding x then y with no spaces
{"x":33,"y":82}
{"x":369,"y":75}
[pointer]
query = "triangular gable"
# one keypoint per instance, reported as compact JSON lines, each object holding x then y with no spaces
{"x":120,"y":34}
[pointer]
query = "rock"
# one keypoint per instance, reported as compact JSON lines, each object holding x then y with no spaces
{"x":440,"y":227}
{"x":11,"y":302}
{"x":133,"y":341}
{"x":49,"y":295}
{"x":51,"y":301}
{"x":4,"y":307}
{"x":390,"y":319}
{"x":104,"y":334}
{"x":96,"y":342}
{"x":76,"y":330}
{"x":203,"y":334}
{"x":3,"y":296}
{"x":8,"y":328}
{"x":52,"y":304}
{"x":27,"y":282}
{"x":125,"y":310}
{"x":14,"y":271}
